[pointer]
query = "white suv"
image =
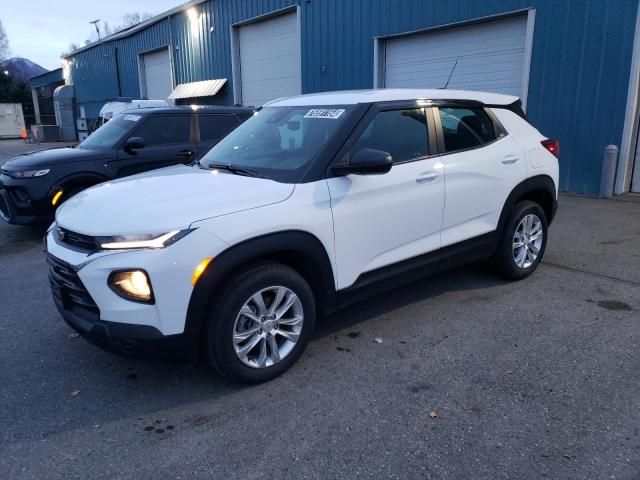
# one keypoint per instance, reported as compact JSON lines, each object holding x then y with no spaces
{"x":316,"y":201}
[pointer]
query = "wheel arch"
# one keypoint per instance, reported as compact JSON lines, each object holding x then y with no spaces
{"x":299,"y":250}
{"x":540,"y":189}
{"x":87,"y":179}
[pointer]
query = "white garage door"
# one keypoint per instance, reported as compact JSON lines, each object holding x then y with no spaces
{"x":490,"y":57}
{"x":269,"y":60}
{"x":157,"y":74}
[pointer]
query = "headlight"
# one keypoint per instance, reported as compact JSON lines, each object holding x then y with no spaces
{"x":29,"y":173}
{"x":132,"y":285}
{"x":151,"y":240}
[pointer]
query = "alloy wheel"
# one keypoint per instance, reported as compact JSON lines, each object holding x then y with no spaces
{"x":268,"y":327}
{"x":527,"y":240}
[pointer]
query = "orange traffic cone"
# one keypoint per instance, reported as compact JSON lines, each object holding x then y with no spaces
{"x":23,"y":133}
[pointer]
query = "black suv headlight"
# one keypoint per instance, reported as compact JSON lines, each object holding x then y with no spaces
{"x":28,"y":173}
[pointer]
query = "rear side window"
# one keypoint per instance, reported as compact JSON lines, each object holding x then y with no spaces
{"x":214,"y":127}
{"x":464,"y":128}
{"x":165,"y":129}
{"x":402,"y":133}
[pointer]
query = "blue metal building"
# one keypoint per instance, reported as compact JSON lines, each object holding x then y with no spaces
{"x":42,"y":90}
{"x":575,"y":63}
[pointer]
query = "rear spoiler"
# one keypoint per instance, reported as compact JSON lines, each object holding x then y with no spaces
{"x":515,"y":107}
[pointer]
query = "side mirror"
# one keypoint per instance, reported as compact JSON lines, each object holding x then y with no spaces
{"x":366,"y":161}
{"x":134,"y":143}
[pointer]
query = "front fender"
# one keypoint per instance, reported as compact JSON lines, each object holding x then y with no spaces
{"x":292,"y":243}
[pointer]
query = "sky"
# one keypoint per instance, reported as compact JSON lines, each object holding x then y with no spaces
{"x":45,"y":28}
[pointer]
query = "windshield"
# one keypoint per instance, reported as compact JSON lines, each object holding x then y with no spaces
{"x":111,"y":133}
{"x":278,"y":142}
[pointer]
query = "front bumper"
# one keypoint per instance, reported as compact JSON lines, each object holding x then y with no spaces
{"x":23,"y":203}
{"x":86,"y":302}
{"x":133,"y":341}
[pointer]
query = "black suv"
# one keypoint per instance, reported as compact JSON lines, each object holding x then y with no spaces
{"x":34,"y":184}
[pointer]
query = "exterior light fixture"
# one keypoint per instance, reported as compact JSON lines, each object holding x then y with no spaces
{"x":193,"y":15}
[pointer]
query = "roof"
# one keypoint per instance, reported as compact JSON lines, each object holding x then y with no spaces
{"x":198,"y":108}
{"x":206,"y":88}
{"x":351,"y":97}
{"x":54,"y":76}
{"x":136,"y":28}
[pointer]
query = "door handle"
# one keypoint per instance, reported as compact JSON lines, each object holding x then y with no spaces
{"x":185,"y":153}
{"x":427,"y":177}
{"x":510,"y":159}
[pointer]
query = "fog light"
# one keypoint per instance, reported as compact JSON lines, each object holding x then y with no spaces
{"x":132,"y":285}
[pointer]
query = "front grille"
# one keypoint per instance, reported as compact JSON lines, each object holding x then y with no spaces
{"x":67,"y":287}
{"x":77,"y":240}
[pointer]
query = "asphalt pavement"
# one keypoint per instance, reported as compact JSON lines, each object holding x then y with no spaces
{"x":475,"y":377}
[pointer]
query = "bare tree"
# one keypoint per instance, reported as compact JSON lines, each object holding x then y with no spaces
{"x":128,"y":20}
{"x":106,"y":30}
{"x":4,"y":43}
{"x":131,"y":19}
{"x":70,"y":49}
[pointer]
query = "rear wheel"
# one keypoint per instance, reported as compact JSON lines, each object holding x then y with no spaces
{"x":260,"y":324}
{"x":523,"y":242}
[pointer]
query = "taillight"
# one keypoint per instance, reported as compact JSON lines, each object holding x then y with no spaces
{"x":553,"y":146}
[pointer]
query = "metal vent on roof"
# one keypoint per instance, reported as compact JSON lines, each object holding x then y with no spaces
{"x":206,"y":88}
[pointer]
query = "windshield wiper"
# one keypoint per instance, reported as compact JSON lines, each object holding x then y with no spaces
{"x":232,"y":169}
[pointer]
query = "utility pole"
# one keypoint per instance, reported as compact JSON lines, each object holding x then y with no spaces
{"x":95,"y":24}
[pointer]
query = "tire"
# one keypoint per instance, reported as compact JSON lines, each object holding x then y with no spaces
{"x":508,"y":259}
{"x":227,"y":323}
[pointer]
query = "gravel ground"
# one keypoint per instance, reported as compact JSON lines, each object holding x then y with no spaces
{"x":475,"y":378}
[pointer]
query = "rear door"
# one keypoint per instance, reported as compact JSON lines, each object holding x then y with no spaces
{"x":380,"y":220}
{"x":482,"y":165}
{"x":168,"y":139}
{"x":212,"y":128}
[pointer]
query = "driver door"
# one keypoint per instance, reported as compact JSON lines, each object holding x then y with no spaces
{"x":168,"y":140}
{"x":380,"y":220}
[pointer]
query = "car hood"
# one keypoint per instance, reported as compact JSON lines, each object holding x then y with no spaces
{"x":166,"y":199}
{"x":52,"y":156}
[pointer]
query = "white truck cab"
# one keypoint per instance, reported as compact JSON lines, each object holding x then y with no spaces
{"x":314,"y":202}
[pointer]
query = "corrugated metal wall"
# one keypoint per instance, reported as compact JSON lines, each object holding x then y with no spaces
{"x":203,"y":48}
{"x":579,"y":70}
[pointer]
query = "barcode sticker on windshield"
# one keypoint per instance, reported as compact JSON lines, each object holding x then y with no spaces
{"x":331,"y":113}
{"x":132,"y":118}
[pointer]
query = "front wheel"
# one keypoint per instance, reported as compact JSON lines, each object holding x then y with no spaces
{"x":523,"y":242}
{"x":260,"y":323}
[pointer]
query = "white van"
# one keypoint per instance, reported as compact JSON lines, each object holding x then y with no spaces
{"x":111,"y":109}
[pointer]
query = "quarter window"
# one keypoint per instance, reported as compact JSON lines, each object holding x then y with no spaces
{"x":402,"y":133}
{"x":464,"y":128}
{"x":165,"y":129}
{"x":214,"y":127}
